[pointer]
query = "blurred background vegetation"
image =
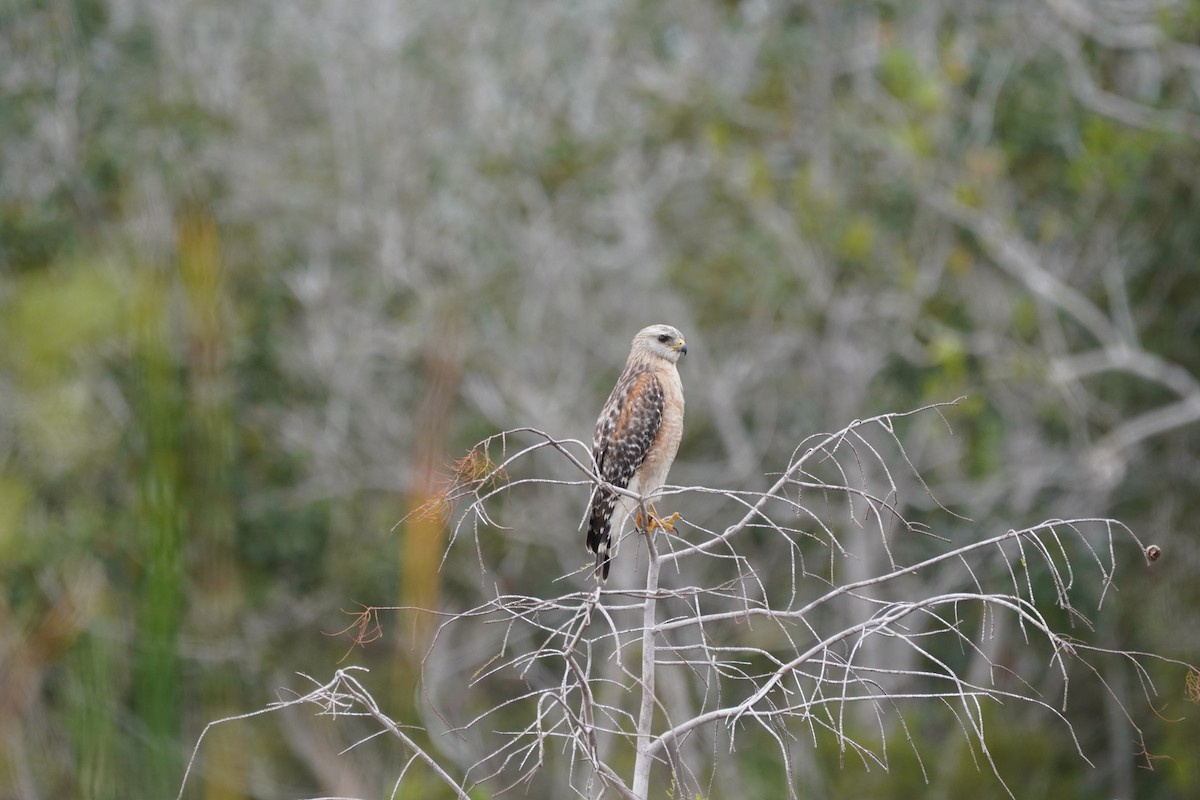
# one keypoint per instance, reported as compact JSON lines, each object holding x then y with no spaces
{"x":266,"y":269}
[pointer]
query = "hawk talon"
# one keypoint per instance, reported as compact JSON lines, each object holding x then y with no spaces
{"x":667,"y":523}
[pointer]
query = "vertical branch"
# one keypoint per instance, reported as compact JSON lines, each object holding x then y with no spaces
{"x":218,"y":587}
{"x":423,"y":534}
{"x":644,"y":759}
{"x":160,"y":523}
{"x":422,"y":545}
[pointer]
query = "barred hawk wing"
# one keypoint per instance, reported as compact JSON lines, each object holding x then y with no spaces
{"x":625,"y":433}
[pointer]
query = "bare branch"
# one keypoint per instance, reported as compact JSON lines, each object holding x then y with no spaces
{"x":569,"y":686}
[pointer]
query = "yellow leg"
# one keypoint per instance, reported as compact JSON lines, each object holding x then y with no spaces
{"x":667,"y":524}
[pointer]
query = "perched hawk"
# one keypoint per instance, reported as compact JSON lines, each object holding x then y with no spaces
{"x":637,"y":436}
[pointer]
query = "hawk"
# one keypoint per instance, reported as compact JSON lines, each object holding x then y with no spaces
{"x":637,"y":436}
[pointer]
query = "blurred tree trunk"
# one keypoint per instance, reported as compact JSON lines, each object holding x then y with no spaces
{"x":217,"y":594}
{"x":423,"y":533}
{"x":159,"y":550}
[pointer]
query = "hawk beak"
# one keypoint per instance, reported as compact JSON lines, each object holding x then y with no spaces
{"x":681,"y":346}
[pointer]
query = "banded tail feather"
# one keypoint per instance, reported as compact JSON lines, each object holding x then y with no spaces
{"x":599,"y":539}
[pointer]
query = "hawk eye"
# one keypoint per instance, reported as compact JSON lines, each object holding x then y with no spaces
{"x":662,"y":337}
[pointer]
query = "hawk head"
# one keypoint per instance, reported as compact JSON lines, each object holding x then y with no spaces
{"x":661,"y":341}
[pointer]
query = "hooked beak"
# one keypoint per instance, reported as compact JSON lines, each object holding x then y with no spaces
{"x":681,"y":347}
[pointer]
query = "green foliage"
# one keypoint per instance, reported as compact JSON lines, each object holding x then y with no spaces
{"x":901,"y":75}
{"x":15,"y":495}
{"x":195,"y":200}
{"x":949,"y":767}
{"x":1112,"y":158}
{"x":61,"y":314}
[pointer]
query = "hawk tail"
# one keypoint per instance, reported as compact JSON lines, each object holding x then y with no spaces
{"x":603,"y":561}
{"x":598,"y":538}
